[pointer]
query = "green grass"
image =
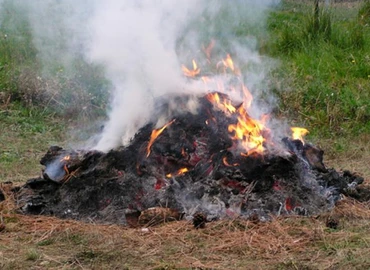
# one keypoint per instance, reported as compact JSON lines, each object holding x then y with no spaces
{"x":16,"y":47}
{"x":325,"y":70}
{"x":26,"y":133}
{"x":51,"y":84}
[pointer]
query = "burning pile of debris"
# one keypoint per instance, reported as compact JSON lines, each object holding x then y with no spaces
{"x":210,"y":163}
{"x":189,"y":165}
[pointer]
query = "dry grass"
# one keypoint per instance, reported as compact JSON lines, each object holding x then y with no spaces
{"x":39,"y":242}
{"x":353,"y":155}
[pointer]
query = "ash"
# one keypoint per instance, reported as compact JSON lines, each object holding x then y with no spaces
{"x":192,"y":167}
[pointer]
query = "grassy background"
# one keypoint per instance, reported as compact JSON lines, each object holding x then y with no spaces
{"x":322,"y":83}
{"x":326,"y":60}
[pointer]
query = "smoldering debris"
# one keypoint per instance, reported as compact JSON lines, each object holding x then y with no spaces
{"x":191,"y":166}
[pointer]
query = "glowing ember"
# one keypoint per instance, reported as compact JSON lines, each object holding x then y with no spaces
{"x":155,"y":134}
{"x":298,"y":133}
{"x":179,"y":172}
{"x":191,"y":73}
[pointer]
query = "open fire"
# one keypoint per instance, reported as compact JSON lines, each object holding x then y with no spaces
{"x":219,"y":161}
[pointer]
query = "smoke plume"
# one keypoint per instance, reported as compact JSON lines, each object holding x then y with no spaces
{"x":136,"y":42}
{"x":142,"y":44}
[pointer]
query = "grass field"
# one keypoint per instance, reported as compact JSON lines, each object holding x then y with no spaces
{"x":323,"y":83}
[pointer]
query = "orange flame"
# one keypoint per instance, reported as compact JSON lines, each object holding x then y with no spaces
{"x":228,"y":62}
{"x":298,"y":133}
{"x":155,"y":134}
{"x":191,"y":73}
{"x":224,"y":105}
{"x":248,"y":98}
{"x":249,"y":132}
{"x":179,"y":172}
{"x":226,"y":163}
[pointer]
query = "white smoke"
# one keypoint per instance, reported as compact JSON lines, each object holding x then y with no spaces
{"x":142,"y":44}
{"x":136,"y":41}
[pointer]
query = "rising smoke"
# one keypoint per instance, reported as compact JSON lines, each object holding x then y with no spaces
{"x":136,"y":41}
{"x":142,"y":45}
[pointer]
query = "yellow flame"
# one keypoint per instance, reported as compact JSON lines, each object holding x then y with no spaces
{"x":223,"y":104}
{"x":298,"y":133}
{"x":191,"y":72}
{"x":154,"y":135}
{"x":251,"y":134}
{"x":228,"y":62}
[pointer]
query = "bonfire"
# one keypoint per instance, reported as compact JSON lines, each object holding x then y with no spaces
{"x":214,"y":162}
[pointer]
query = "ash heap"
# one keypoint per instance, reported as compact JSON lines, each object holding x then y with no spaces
{"x":216,"y":160}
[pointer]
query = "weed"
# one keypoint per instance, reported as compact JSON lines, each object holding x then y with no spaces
{"x":32,"y":254}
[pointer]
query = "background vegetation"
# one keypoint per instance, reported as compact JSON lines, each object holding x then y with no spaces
{"x":326,"y":60}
